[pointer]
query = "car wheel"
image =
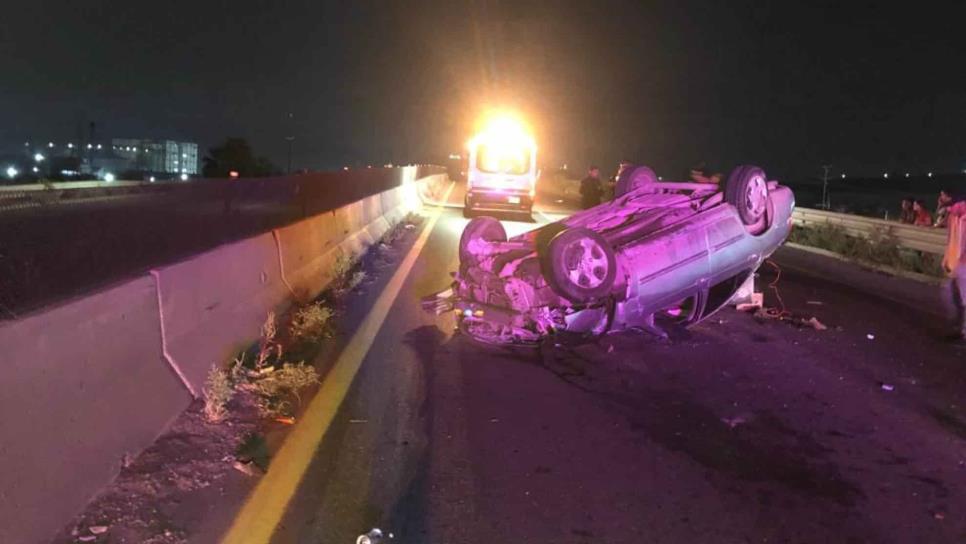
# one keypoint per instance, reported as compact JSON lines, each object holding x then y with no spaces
{"x":747,"y":190}
{"x":484,"y":228}
{"x":580,"y":265}
{"x":640,"y":176}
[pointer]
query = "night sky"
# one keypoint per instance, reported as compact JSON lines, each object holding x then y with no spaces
{"x":865,"y":87}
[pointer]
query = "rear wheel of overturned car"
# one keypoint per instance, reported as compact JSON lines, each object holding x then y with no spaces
{"x":479,"y":229}
{"x":579,"y":265}
{"x":747,"y":190}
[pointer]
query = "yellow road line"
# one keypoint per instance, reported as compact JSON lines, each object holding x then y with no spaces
{"x":265,"y":507}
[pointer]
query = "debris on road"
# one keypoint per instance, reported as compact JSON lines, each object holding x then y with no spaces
{"x":814,"y":302}
{"x":939,"y":515}
{"x":733,"y":422}
{"x":494,"y":420}
{"x":373,"y":537}
{"x":86,"y":538}
{"x":244,"y":468}
{"x":870,"y":336}
{"x":888,"y":387}
{"x":409,"y":226}
{"x":757,"y":303}
{"x":816,"y":324}
{"x":286,"y":420}
{"x":358,"y":421}
{"x":98,"y":529}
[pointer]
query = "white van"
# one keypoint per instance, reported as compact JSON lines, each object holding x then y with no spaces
{"x":501,"y":174}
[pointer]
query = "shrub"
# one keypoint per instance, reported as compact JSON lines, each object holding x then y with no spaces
{"x":218,"y":392}
{"x":310,"y":322}
{"x":880,"y":248}
{"x":276,"y":389}
{"x":343,"y":264}
{"x":356,"y":279}
{"x":268,"y":347}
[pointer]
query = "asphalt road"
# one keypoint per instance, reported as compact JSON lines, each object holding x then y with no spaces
{"x":738,"y":430}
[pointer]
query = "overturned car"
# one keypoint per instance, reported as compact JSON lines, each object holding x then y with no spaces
{"x":673,"y":251}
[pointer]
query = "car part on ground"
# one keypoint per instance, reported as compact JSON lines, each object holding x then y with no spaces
{"x":659,"y":251}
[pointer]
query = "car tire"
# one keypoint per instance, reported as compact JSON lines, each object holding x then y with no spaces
{"x":479,"y":228}
{"x":747,"y":190}
{"x":579,"y":265}
{"x":635,"y":178}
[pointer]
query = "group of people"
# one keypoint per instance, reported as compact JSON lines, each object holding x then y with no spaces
{"x":592,"y":188}
{"x":914,"y":211}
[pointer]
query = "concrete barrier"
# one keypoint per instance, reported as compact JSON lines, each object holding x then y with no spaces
{"x":84,"y":384}
{"x":99,"y":378}
{"x":214,"y":304}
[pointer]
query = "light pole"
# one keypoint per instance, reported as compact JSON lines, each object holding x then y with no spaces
{"x":826,"y":201}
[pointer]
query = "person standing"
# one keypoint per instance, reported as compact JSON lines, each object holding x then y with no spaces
{"x":942,"y":208}
{"x":954,"y":264}
{"x":591,"y":188}
{"x":906,"y":214}
{"x":922,"y":217}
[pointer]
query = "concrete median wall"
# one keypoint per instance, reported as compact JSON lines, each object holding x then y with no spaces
{"x":214,"y":303}
{"x":92,"y":381}
{"x":84,"y":385}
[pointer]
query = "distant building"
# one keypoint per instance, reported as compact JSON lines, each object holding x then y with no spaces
{"x":66,"y":160}
{"x":161,"y":156}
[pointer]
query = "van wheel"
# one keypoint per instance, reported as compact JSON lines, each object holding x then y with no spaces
{"x":579,"y":265}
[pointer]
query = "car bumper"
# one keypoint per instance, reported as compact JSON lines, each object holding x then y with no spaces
{"x":478,"y":199}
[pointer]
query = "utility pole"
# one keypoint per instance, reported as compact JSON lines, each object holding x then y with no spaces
{"x":826,"y":198}
{"x":290,"y":139}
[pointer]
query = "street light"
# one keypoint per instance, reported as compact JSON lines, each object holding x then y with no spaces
{"x":184,"y":177}
{"x":108,"y":177}
{"x":38,"y":157}
{"x":12,"y":172}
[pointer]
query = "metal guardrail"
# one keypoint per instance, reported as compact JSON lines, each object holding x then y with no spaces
{"x":926,"y":239}
{"x":18,"y":197}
